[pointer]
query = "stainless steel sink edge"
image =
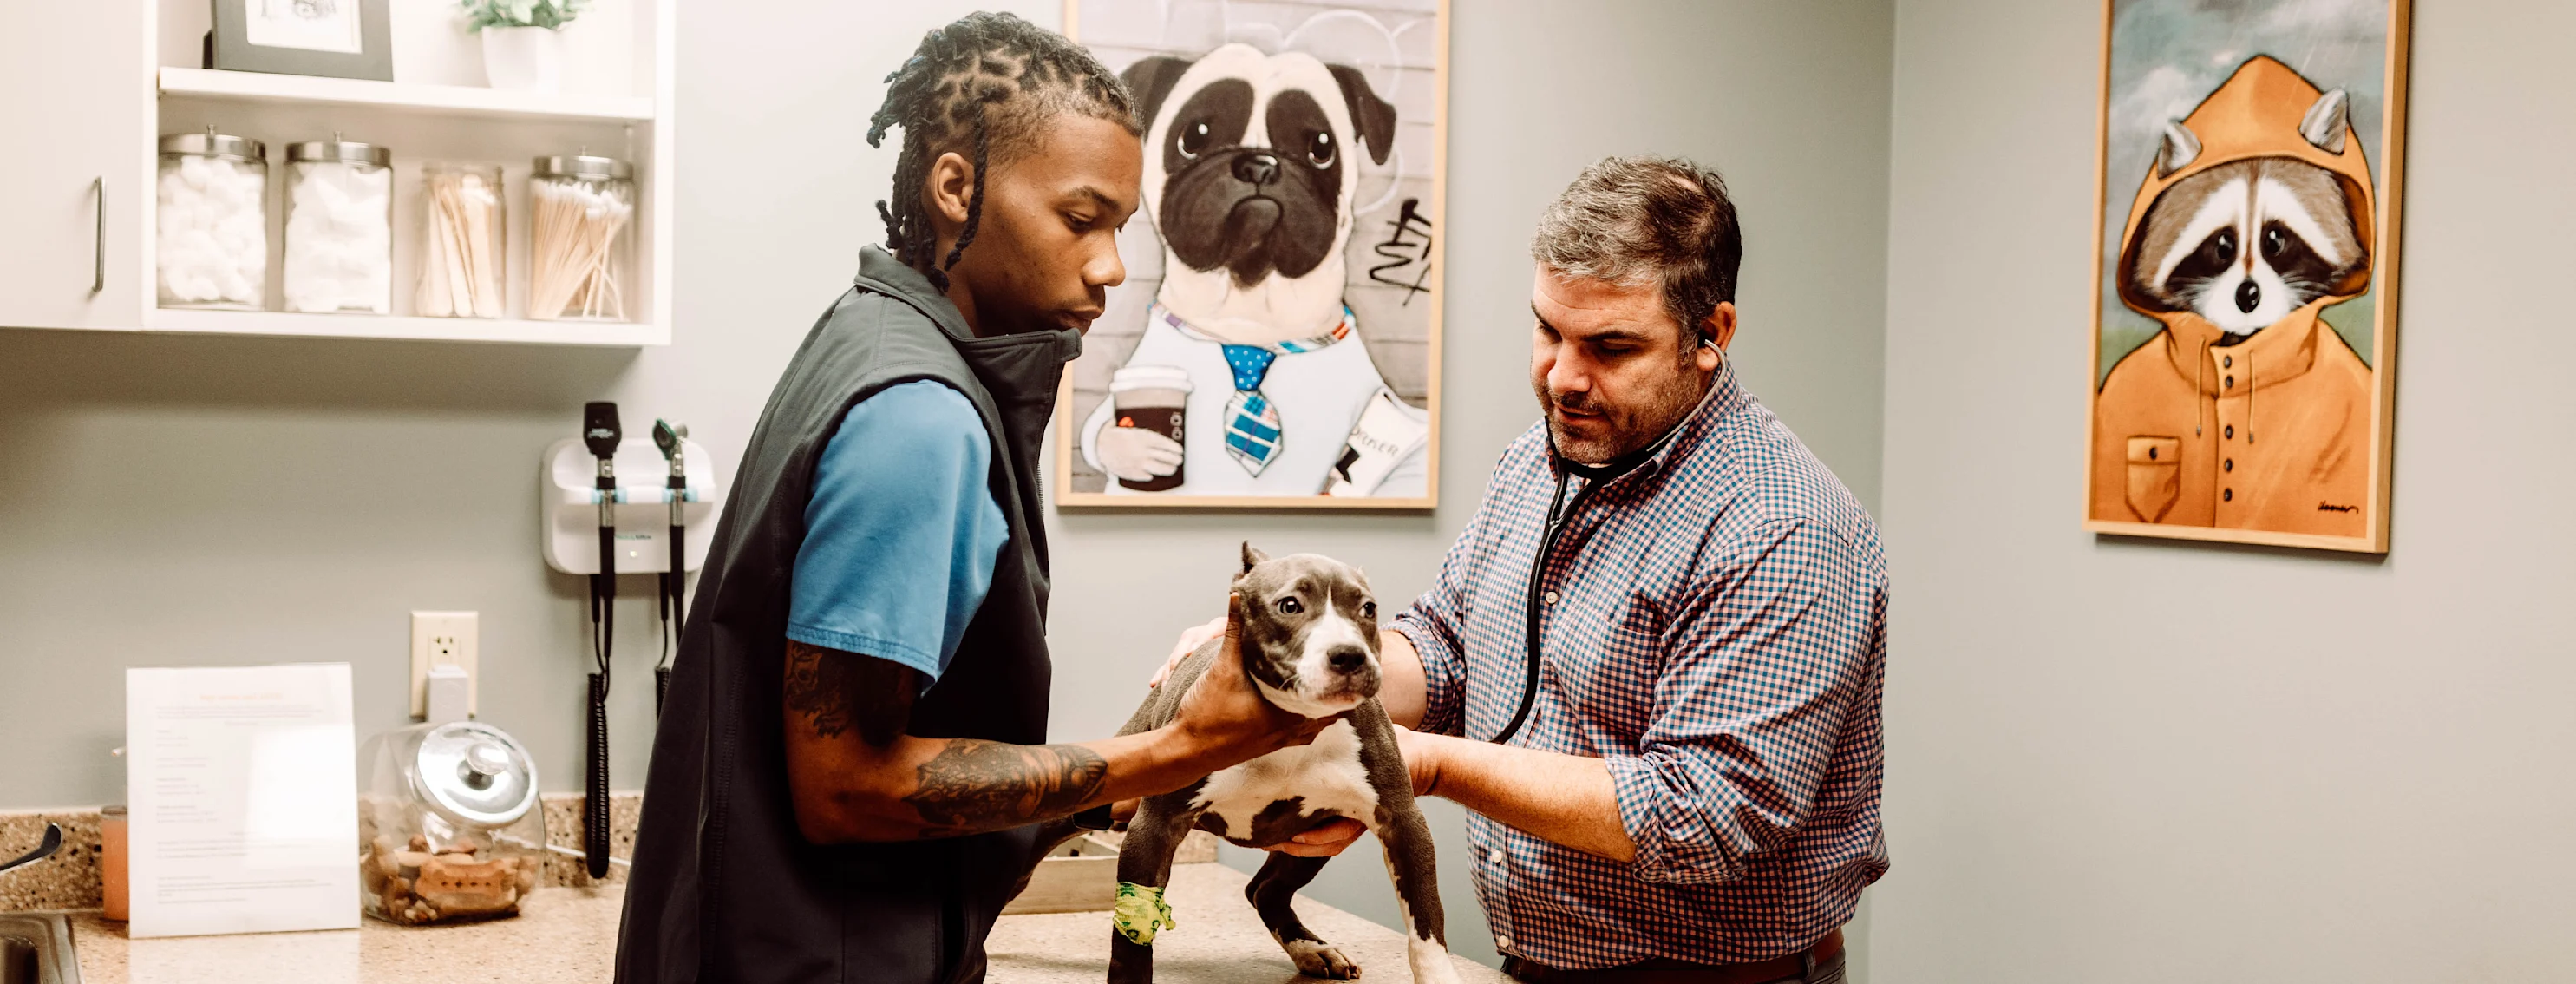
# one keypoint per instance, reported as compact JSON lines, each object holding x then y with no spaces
{"x":49,"y":935}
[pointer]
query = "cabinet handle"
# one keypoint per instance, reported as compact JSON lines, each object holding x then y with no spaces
{"x":98,"y":237}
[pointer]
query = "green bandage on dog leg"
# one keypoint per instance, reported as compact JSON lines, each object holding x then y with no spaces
{"x":1140,"y":913}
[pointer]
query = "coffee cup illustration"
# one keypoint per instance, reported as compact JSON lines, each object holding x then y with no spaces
{"x":1154,"y":399}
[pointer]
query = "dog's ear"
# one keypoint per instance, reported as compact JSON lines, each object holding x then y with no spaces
{"x":1252,"y":557}
{"x":1372,"y":116}
{"x":1149,"y":81}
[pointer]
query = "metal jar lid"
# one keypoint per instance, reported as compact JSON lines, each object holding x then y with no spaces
{"x":581,"y":166}
{"x":212,"y":144}
{"x":475,"y":773}
{"x":336,"y":149}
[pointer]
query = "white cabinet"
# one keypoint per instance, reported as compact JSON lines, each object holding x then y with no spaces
{"x":87,"y":88}
{"x":75,"y":92}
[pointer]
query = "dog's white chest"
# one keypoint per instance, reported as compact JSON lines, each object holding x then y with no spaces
{"x":1327,"y":774}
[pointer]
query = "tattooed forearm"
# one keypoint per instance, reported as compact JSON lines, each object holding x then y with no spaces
{"x":974,"y":785}
{"x":836,"y":691}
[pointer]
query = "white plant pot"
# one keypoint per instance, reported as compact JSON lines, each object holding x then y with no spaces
{"x":529,"y":59}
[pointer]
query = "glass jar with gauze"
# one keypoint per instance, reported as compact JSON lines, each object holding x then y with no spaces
{"x":339,"y":227}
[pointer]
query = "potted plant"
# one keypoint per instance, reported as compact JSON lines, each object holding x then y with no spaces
{"x":522,"y":40}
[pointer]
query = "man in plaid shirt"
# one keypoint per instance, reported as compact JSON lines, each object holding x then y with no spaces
{"x":1688,"y":789}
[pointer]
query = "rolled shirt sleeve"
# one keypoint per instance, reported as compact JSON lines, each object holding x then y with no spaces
{"x":1431,"y":624}
{"x":901,"y":532}
{"x":1745,"y":716}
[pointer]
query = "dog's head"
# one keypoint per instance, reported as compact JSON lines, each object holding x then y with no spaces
{"x":1249,"y":168}
{"x":1309,"y":631}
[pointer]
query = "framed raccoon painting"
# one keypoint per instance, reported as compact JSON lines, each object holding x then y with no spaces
{"x":2252,"y":155}
{"x":1277,"y":341}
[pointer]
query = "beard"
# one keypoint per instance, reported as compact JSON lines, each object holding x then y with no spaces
{"x":1591,"y":430}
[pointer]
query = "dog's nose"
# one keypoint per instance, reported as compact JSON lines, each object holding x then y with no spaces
{"x":1347,"y":659}
{"x":2248,"y":297}
{"x":1256,"y":169}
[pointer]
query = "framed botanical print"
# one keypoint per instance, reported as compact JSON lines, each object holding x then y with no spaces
{"x":1277,"y":341}
{"x":2252,"y":158}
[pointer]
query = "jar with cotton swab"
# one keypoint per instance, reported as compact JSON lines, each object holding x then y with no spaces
{"x":462,"y":253}
{"x":580,"y":238}
{"x":339,"y":227}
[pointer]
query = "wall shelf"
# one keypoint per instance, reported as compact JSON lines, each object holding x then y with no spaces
{"x":83,"y":217}
{"x":218,"y":322}
{"x":453,"y":100}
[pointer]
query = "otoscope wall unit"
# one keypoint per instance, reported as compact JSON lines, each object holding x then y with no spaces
{"x":568,"y":502}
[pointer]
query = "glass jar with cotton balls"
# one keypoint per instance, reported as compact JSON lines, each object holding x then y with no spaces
{"x":211,"y":224}
{"x":339,"y":255}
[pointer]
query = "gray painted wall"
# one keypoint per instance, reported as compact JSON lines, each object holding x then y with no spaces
{"x":2117,"y":760}
{"x":192,"y":501}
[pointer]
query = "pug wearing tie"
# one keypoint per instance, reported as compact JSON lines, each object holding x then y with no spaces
{"x":1249,"y":175}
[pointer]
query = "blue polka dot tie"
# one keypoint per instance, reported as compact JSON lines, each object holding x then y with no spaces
{"x":1251,"y":423}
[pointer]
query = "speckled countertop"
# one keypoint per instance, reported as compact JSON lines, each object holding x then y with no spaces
{"x":570,"y":934}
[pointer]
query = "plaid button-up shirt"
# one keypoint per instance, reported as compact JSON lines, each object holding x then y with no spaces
{"x":1713,"y":623}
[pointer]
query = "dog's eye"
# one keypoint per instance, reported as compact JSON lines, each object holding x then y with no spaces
{"x":1368,"y":609}
{"x":1193,"y":138}
{"x":1289,"y":606}
{"x":1320,"y":150}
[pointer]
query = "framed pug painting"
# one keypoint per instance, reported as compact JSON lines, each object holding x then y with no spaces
{"x":2252,"y":155}
{"x":1277,"y":341}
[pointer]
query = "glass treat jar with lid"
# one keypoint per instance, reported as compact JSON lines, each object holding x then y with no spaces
{"x":448,"y":824}
{"x":462,"y":270}
{"x":210,"y":243}
{"x":339,"y":227}
{"x":581,"y":246}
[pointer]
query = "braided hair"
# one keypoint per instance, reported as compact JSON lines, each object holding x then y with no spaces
{"x":987,"y":83}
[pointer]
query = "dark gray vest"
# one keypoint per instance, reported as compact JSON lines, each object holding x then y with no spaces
{"x":723,"y":886}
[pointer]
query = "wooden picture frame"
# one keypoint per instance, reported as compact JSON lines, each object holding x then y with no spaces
{"x":239,"y":43}
{"x":2295,"y":129}
{"x":1391,"y":304}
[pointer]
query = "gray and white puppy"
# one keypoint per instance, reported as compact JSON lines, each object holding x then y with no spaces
{"x":1308,"y":630}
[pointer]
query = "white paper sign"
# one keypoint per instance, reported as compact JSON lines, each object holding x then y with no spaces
{"x":242,"y":790}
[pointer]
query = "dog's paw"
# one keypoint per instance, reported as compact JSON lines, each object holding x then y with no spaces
{"x":1315,"y":958}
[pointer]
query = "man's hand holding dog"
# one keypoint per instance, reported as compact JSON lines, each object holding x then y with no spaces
{"x":1223,"y":720}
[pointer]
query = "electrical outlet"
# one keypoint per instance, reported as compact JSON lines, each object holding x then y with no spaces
{"x":442,"y":637}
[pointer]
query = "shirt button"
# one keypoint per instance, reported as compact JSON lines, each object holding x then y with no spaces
{"x":2231,"y":382}
{"x":2230,"y":432}
{"x":1502,"y":942}
{"x":2227,"y":362}
{"x":2227,"y":495}
{"x":1550,"y":597}
{"x":1496,"y":856}
{"x":2227,"y":465}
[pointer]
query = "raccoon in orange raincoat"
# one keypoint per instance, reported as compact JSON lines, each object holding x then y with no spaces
{"x":2247,"y":411}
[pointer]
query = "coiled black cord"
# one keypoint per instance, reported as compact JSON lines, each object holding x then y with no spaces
{"x":594,"y":835}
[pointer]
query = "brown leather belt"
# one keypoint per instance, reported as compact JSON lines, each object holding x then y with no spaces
{"x":1681,"y":972}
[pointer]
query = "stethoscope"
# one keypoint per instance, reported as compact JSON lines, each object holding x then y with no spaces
{"x":1559,"y":510}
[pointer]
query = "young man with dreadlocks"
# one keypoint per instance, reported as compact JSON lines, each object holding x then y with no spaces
{"x":852,"y":758}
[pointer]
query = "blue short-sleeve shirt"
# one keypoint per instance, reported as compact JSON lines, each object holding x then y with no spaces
{"x":902,"y":532}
